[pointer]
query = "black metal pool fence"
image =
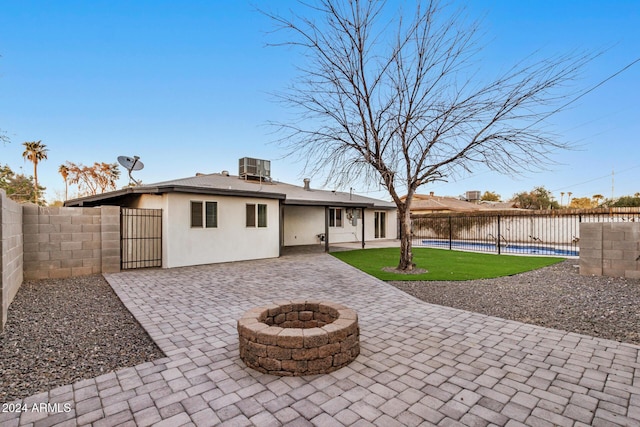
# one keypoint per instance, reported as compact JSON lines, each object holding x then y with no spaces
{"x":552,"y":232}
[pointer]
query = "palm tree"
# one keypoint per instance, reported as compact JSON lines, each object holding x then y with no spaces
{"x":596,"y":198}
{"x":64,"y":171}
{"x":35,"y":151}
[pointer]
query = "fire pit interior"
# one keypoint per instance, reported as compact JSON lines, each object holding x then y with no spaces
{"x":299,"y":337}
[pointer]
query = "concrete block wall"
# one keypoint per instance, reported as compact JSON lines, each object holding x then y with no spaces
{"x":610,"y":249}
{"x":61,"y":242}
{"x":11,"y":258}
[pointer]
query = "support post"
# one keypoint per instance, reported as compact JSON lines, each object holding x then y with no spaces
{"x":362,"y":211}
{"x":499,"y":235}
{"x":326,"y":229}
{"x":281,"y":225}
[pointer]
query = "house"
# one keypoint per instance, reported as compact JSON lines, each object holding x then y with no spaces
{"x":431,"y":204}
{"x":212,"y":218}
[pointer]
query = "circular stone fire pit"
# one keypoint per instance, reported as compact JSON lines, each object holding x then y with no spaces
{"x":299,"y":337}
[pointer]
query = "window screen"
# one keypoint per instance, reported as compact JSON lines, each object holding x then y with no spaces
{"x":251,"y":215}
{"x":211,"y":214}
{"x":262,"y":215}
{"x":196,"y":214}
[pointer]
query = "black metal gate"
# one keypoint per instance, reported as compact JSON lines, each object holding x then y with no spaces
{"x":140,"y":238}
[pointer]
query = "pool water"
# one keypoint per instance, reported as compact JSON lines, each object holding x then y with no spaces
{"x":504,"y":248}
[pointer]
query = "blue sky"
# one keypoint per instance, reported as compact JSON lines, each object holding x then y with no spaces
{"x":186,"y":86}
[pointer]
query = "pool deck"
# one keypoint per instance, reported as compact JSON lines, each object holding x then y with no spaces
{"x":420,"y":364}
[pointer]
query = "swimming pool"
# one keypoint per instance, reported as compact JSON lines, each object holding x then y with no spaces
{"x":504,"y":248}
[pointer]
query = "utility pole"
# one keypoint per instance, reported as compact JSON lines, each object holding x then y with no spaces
{"x":612,"y":183}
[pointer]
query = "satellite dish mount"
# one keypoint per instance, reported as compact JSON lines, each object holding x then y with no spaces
{"x":131,"y":164}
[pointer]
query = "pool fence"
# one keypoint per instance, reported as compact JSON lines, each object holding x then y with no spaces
{"x":544,"y":232}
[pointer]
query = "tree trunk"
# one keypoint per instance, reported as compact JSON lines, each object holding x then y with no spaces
{"x":406,"y":253}
{"x":35,"y":181}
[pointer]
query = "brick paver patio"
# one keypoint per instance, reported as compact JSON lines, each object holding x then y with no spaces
{"x":420,"y":364}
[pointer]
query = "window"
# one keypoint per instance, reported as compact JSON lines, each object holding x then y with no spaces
{"x":211,"y":214}
{"x":335,"y":217}
{"x":261,"y":215}
{"x":210,"y":217}
{"x":380,"y":223}
{"x":251,"y":215}
{"x":196,"y":214}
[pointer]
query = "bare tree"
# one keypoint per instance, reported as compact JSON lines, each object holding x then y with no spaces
{"x":92,"y":180}
{"x":402,"y":101}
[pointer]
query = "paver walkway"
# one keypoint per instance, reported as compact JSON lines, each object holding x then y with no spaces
{"x":420,"y":364}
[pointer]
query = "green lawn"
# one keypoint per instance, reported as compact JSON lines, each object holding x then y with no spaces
{"x":443,"y":264}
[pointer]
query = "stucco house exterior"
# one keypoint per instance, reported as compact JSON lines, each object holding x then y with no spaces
{"x":212,"y":218}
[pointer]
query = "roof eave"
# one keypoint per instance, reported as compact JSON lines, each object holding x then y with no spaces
{"x":163,"y":189}
{"x":80,"y":201}
{"x":219,"y":191}
{"x":351,"y":204}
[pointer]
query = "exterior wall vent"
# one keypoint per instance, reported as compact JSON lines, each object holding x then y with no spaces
{"x":250,"y":168}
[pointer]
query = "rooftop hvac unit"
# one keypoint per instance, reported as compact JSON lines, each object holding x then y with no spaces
{"x":255,"y":168}
{"x":473,"y":196}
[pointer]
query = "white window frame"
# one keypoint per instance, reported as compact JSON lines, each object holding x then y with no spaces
{"x":203,"y":219}
{"x":336,"y":217}
{"x":259,"y":212}
{"x":380,"y":224}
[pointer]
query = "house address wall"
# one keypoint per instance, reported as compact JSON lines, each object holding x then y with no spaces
{"x":610,"y":249}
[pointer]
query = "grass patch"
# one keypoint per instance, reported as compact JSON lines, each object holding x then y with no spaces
{"x":443,"y":264}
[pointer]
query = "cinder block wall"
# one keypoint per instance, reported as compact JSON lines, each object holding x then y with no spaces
{"x":610,"y":249}
{"x":11,"y":246}
{"x":62,"y":242}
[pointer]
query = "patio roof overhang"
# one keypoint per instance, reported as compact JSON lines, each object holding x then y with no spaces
{"x":119,"y":196}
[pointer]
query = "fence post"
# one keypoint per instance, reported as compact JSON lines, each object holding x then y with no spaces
{"x":450,"y":234}
{"x":498,"y":238}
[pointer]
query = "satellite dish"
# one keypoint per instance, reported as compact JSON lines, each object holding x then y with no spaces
{"x":131,"y":164}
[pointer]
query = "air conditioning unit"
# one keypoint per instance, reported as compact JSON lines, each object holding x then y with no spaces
{"x":473,"y":196}
{"x":250,"y":168}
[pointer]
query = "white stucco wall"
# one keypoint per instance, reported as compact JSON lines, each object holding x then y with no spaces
{"x":230,"y":241}
{"x":303,"y":223}
{"x":391,"y":224}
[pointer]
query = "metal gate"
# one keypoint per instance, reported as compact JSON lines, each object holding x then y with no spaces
{"x":140,"y":238}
